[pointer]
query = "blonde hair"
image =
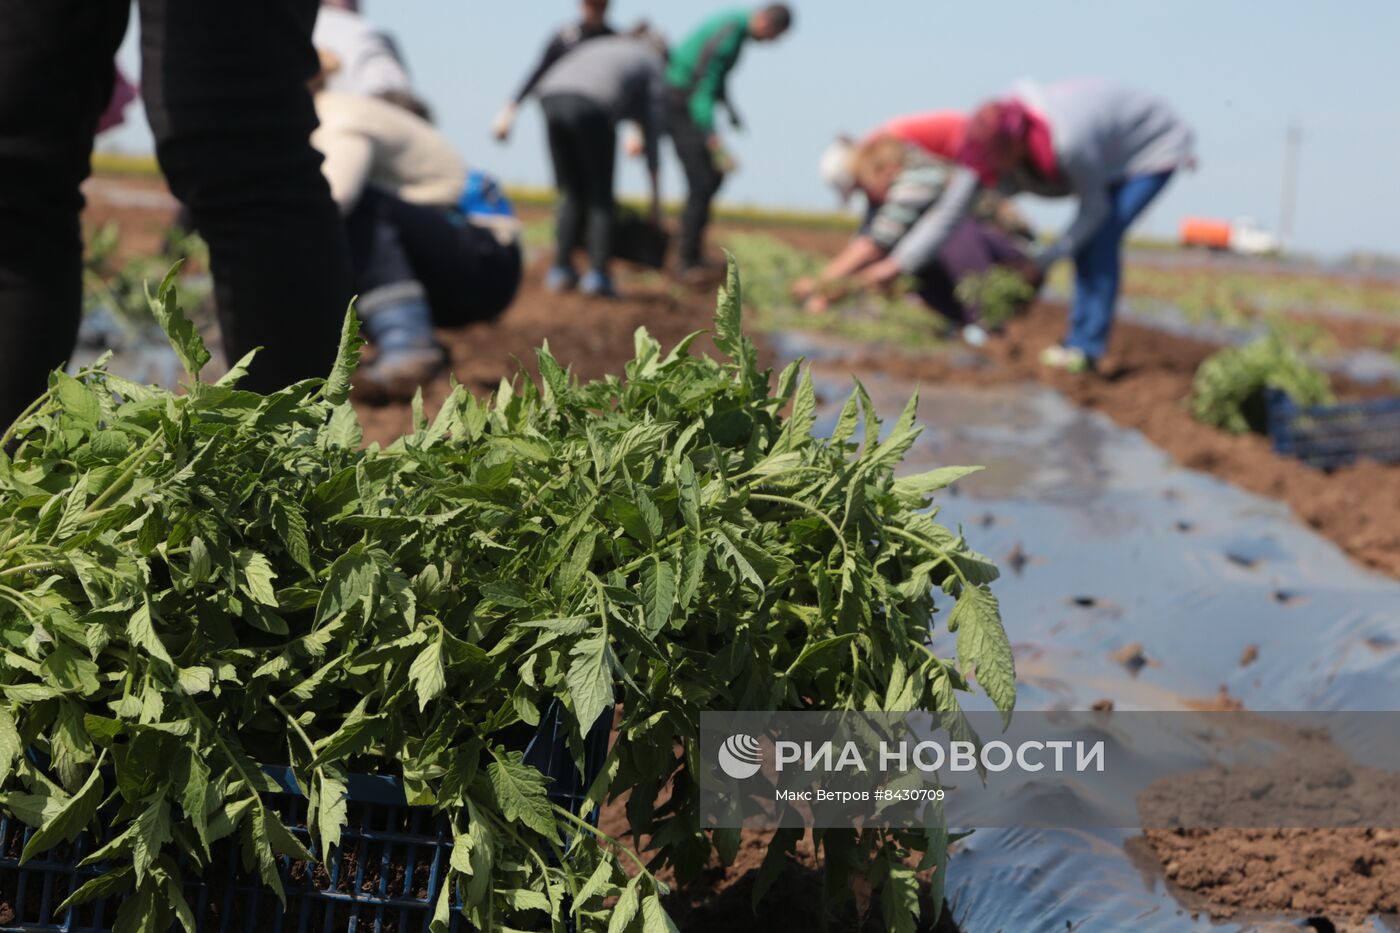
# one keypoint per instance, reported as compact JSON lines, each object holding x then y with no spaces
{"x":877,"y":156}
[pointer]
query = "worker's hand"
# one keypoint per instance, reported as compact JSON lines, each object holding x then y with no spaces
{"x":724,"y":161}
{"x":501,"y":126}
{"x":816,"y":304}
{"x":804,"y":288}
{"x":881,"y":274}
{"x":1030,"y":270}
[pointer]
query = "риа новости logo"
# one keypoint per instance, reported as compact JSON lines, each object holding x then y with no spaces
{"x":740,"y":756}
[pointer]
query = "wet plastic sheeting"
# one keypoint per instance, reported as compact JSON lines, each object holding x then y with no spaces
{"x":1129,"y":579}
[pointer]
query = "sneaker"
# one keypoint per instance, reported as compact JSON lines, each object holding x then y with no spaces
{"x":597,"y":284}
{"x":561,"y":279}
{"x":974,"y":336}
{"x":1069,"y":359}
{"x":395,"y":375}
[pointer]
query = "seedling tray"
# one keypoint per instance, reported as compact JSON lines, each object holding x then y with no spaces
{"x":1328,"y":436}
{"x":384,"y":878}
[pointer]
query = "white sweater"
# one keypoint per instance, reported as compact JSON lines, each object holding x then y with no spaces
{"x":366,"y":141}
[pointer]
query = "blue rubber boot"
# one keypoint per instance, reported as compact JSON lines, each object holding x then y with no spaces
{"x":408,"y":356}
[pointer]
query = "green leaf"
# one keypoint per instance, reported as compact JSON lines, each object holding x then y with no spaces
{"x":196,"y":680}
{"x":140,"y":913}
{"x":150,"y":832}
{"x":658,"y":594}
{"x":352,"y":578}
{"x":521,"y":792}
{"x":291,"y":528}
{"x":347,"y":358}
{"x":11,"y":746}
{"x":654,"y":917}
{"x":194,"y":795}
{"x":596,"y":884}
{"x":689,"y":490}
{"x":353,"y":736}
{"x":729,"y":332}
{"x":899,"y":900}
{"x":238,"y":371}
{"x":141,"y":630}
{"x":257,"y":577}
{"x":589,"y":680}
{"x":184,"y":339}
{"x":77,"y":400}
{"x":110,"y":884}
{"x":428,"y":674}
{"x":626,"y":908}
{"x":332,"y":809}
{"x":71,"y":818}
{"x":984,"y":647}
{"x":922,"y":484}
{"x":68,"y":670}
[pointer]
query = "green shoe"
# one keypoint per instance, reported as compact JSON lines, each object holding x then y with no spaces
{"x":1069,"y":359}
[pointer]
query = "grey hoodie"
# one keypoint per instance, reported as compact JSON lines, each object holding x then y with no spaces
{"x":626,"y":76}
{"x":1102,"y":134}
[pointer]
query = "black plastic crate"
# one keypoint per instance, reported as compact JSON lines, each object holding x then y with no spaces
{"x":385,"y":878}
{"x":1328,"y":436}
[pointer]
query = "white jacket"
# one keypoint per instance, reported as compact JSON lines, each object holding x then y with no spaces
{"x":366,"y":141}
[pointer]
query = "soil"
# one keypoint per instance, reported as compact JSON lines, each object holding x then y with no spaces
{"x":1343,"y":874}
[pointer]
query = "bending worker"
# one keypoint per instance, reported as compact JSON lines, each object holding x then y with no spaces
{"x":1112,"y":148}
{"x":585,"y":95}
{"x":901,"y":182}
{"x":592,"y":24}
{"x":698,"y":76}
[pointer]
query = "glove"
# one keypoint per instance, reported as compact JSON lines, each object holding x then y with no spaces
{"x":500,"y":127}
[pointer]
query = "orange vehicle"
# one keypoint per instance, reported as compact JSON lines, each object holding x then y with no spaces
{"x":1242,"y":236}
{"x":1202,"y":232}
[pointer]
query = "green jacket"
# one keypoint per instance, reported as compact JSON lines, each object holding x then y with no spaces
{"x":701,"y":63}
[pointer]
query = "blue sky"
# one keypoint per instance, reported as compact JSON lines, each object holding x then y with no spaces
{"x":1239,"y":71}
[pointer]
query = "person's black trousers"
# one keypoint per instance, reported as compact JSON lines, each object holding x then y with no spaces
{"x":225,"y":89}
{"x":702,"y":179}
{"x":583,"y":148}
{"x":465,"y":273}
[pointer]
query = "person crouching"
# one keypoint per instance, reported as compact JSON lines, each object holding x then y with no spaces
{"x":431,"y":242}
{"x":900,"y":183}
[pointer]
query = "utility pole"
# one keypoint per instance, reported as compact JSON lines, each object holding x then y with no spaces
{"x":1293,"y":143}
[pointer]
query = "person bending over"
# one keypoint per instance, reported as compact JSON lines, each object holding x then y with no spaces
{"x":1112,"y":148}
{"x":698,"y":75}
{"x":592,"y":24}
{"x":584,"y":97}
{"x":901,"y":182}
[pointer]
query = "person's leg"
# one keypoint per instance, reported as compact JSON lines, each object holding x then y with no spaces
{"x":972,"y":249}
{"x":598,"y":149}
{"x":1098,"y":266}
{"x":392,"y":304}
{"x":561,"y":118}
{"x":56,"y":78}
{"x":1095,"y":290}
{"x":225,"y":86}
{"x":701,"y":177}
